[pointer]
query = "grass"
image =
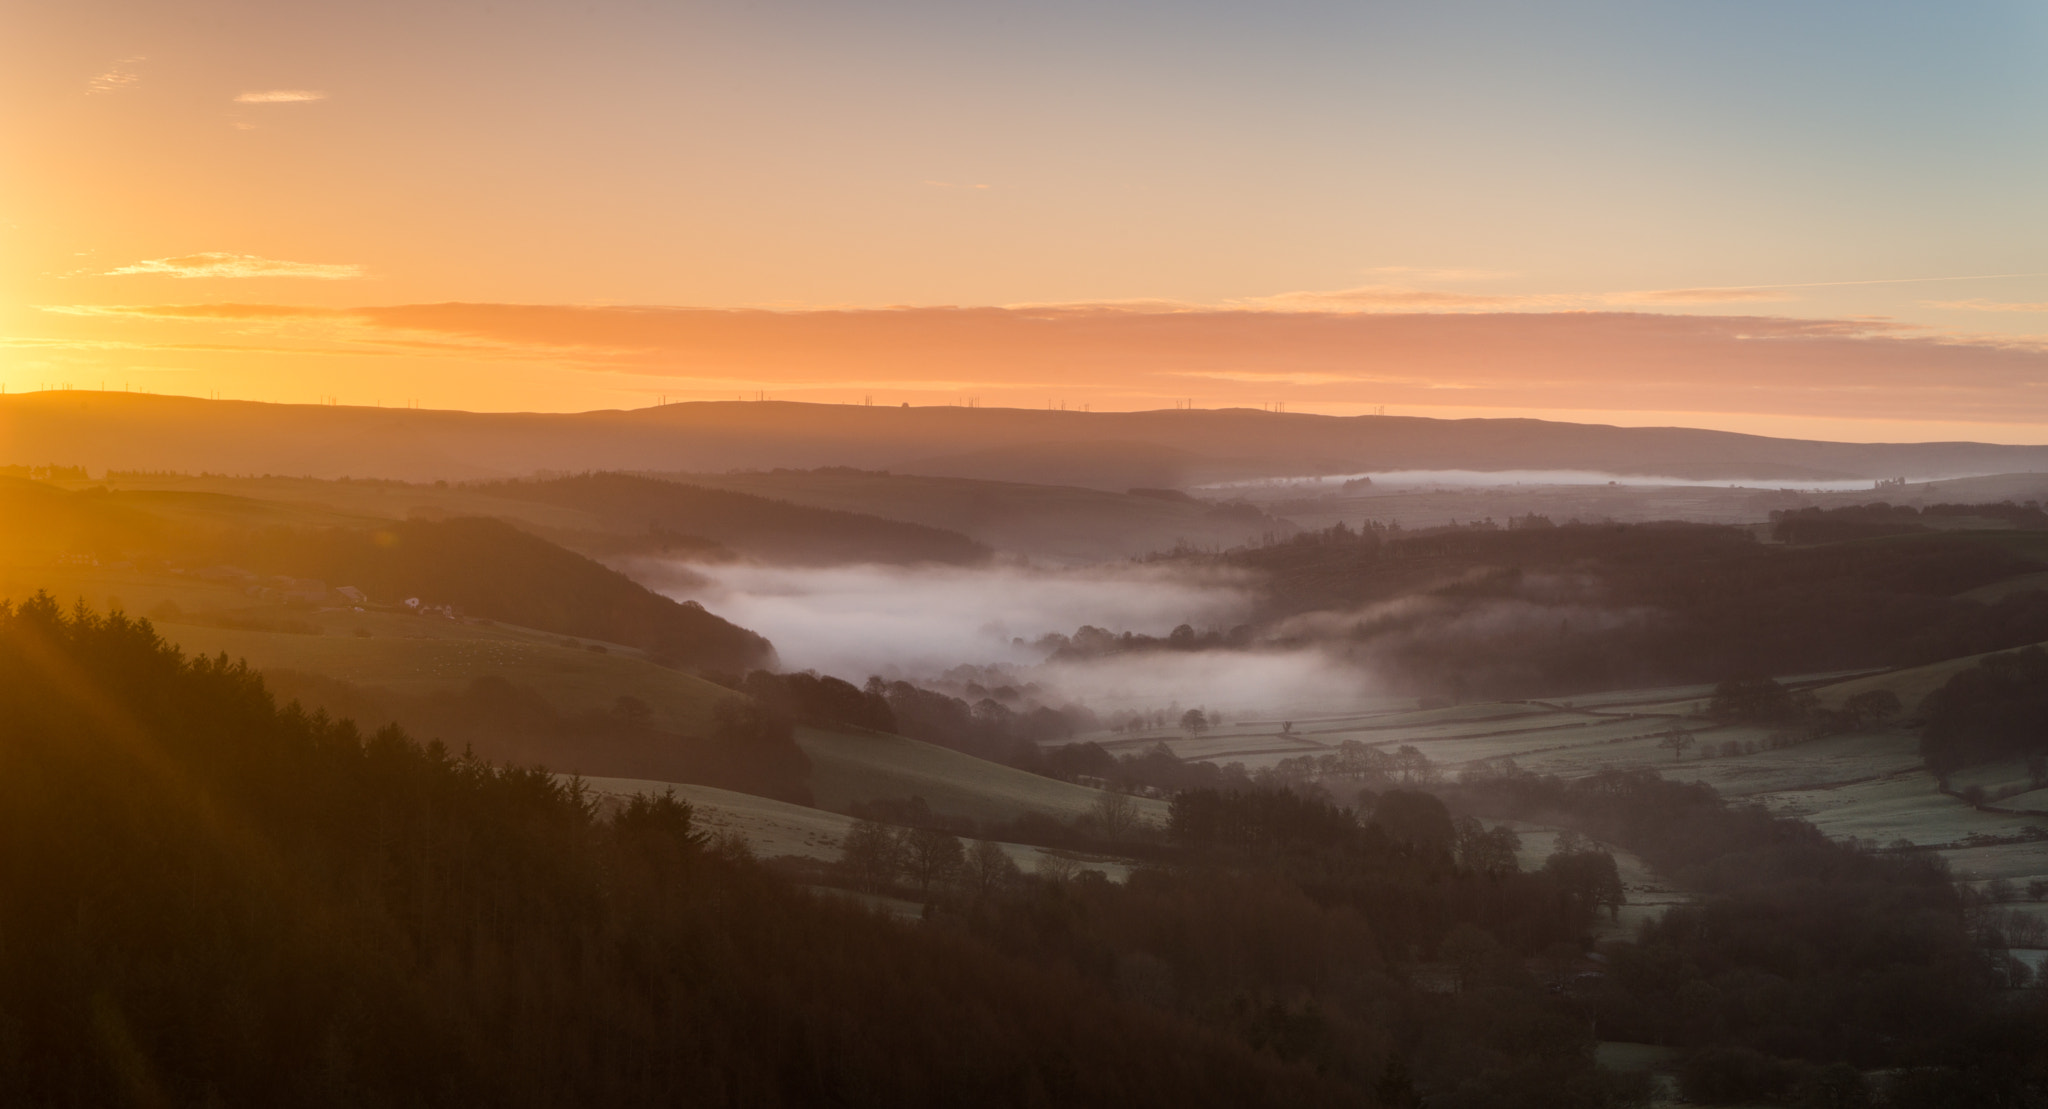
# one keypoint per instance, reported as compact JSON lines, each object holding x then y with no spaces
{"x":1869,"y":785}
{"x":864,"y":766}
{"x":414,"y":655}
{"x":1998,"y":590}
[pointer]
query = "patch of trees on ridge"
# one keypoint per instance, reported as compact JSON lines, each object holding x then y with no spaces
{"x":989,"y":727}
{"x":746,"y":746}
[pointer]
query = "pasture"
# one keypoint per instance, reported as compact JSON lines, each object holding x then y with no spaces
{"x":1869,"y":786}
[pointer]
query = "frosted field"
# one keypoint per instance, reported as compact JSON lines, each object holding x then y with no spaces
{"x":1868,"y":786}
{"x":867,"y":766}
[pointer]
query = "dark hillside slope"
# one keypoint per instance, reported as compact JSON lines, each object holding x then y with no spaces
{"x":485,"y":567}
{"x":491,"y":569}
{"x":1063,"y":522}
{"x":207,"y":901}
{"x":765,"y":528}
{"x":139,"y":432}
{"x":1548,"y":611}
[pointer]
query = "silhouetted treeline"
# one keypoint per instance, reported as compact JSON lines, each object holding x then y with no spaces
{"x":1997,"y":709}
{"x":1866,"y":521}
{"x":1754,"y":699}
{"x":759,"y":526}
{"x":1089,"y":641}
{"x":1002,"y":725}
{"x":205,"y":900}
{"x":1802,"y":951}
{"x":1343,"y":944}
{"x":745,"y":746}
{"x":1543,"y":611}
{"x":491,"y":569}
{"x":815,"y":698}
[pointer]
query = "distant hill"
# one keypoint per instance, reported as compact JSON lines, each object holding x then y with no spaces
{"x":761,"y":526}
{"x":1099,"y":449}
{"x":1058,"y":522}
{"x":1091,"y":463}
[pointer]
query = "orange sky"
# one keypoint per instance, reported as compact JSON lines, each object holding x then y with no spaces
{"x":1820,"y":222}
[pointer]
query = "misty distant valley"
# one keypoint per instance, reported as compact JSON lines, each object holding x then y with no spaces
{"x":1388,"y":788}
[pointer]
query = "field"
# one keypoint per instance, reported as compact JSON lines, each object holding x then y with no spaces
{"x":863,"y":766}
{"x":417,"y":654}
{"x":1868,"y":786}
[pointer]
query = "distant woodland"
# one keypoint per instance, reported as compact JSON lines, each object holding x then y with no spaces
{"x":1536,"y":609}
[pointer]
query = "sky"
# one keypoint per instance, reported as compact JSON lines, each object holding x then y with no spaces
{"x":1817,"y":219}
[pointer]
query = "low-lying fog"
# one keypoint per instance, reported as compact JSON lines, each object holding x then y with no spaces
{"x":1489,"y":478}
{"x":918,"y":622}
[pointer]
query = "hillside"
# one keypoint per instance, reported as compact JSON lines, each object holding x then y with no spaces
{"x":1057,"y":522}
{"x":600,"y":514}
{"x":143,"y":432}
{"x":223,"y":903}
{"x":761,"y":527}
{"x":1545,"y":611}
{"x":284,"y":554}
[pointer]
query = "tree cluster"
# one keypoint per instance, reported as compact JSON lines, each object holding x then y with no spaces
{"x":1526,"y":612}
{"x":207,"y":900}
{"x":1996,"y":709}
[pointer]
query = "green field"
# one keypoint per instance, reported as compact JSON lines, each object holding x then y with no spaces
{"x":861,"y":766}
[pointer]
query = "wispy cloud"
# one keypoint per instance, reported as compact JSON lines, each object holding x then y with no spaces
{"x":118,"y":76}
{"x":1585,"y":358}
{"x":1433,"y":273}
{"x":280,"y":96}
{"x":1989,"y":305}
{"x":1698,"y":296}
{"x":1404,"y":298}
{"x":215,"y":264}
{"x":1397,"y":298}
{"x":200,"y":311}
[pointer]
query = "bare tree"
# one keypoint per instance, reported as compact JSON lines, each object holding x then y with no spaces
{"x":989,"y":868}
{"x":1677,"y":739}
{"x":872,"y":855}
{"x":1115,"y":815}
{"x":1058,"y":869}
{"x":933,"y":856}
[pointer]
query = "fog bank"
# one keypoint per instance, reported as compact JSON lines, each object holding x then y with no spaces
{"x":917,"y":623}
{"x":1464,"y":479}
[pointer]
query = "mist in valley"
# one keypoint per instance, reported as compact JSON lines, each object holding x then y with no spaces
{"x":925,"y":623}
